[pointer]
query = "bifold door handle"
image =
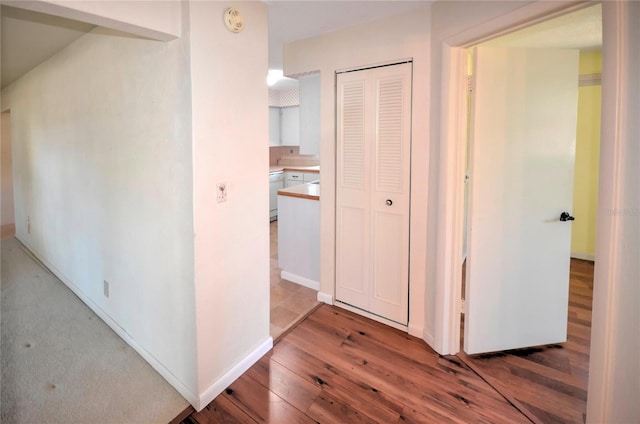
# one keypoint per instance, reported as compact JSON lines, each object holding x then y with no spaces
{"x":389,"y":202}
{"x":566,"y":216}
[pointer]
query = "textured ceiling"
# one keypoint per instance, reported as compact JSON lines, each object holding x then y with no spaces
{"x":30,"y":38}
{"x":577,"y":30}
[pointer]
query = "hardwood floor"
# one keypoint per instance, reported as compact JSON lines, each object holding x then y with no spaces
{"x":549,"y":383}
{"x":338,"y":367}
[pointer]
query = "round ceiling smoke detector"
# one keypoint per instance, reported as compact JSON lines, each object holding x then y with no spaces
{"x":233,"y":20}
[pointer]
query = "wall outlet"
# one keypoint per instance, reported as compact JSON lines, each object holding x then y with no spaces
{"x":222,"y":192}
{"x":105,"y":288}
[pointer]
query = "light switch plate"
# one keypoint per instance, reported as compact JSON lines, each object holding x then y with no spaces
{"x":222,"y":192}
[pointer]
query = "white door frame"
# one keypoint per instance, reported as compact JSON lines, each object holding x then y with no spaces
{"x":451,"y":192}
{"x":453,"y":151}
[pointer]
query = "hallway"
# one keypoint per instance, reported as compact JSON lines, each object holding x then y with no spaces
{"x":61,"y":363}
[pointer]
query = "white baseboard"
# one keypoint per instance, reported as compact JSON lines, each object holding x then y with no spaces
{"x":371,"y":316}
{"x":415,"y":331}
{"x":583,"y":256}
{"x":428,"y":338}
{"x":325,"y":298}
{"x":217,"y":387}
{"x":151,"y":360}
{"x":303,"y":281}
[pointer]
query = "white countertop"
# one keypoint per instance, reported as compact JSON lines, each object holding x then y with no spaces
{"x":304,"y":191}
{"x":280,"y":168}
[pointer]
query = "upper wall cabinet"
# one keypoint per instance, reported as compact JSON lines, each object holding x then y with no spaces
{"x":290,"y":126}
{"x":274,"y":126}
{"x":284,"y":116}
{"x":309,"y":89}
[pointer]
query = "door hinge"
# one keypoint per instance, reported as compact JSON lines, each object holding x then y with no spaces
{"x":469,"y":84}
{"x":461,"y":306}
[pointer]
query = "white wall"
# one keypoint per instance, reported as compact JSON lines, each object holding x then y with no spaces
{"x":230,"y":144}
{"x":159,"y":20}
{"x":103,"y":171}
{"x":6,"y":178}
{"x":614,"y":373}
{"x":401,"y":37}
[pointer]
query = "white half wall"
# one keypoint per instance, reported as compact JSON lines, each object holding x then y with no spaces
{"x":103,"y":186}
{"x":230,"y":145}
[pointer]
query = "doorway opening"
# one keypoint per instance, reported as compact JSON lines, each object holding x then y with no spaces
{"x":294,"y":176}
{"x":557,"y":371}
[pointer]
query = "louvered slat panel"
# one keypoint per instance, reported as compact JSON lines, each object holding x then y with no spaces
{"x":389,"y":135}
{"x":353,"y":148}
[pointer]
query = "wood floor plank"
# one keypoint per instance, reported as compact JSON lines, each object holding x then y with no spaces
{"x":221,"y":410}
{"x":299,"y":392}
{"x":426,"y":388}
{"x":550,"y":381}
{"x":331,"y":380}
{"x":261,"y":404}
{"x":328,"y":409}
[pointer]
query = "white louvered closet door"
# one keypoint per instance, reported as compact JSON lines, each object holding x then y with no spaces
{"x":372,"y":190}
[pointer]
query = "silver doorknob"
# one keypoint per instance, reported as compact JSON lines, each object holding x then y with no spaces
{"x":389,"y":202}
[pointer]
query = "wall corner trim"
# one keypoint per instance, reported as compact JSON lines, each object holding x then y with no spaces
{"x":218,"y":386}
{"x":428,"y":338}
{"x":416,"y":331}
{"x":325,"y":298}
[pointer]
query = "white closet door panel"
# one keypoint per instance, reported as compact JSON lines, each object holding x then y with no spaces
{"x":390,"y":196}
{"x":352,"y":269}
{"x":390,"y":151}
{"x":389,"y":295}
{"x":373,"y":150}
{"x":352,"y":212}
{"x":352,"y":144}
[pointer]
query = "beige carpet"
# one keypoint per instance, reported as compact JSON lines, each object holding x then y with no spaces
{"x":61,"y":363}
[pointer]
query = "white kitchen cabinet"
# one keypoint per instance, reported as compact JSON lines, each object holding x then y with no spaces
{"x":293,"y":178}
{"x":307,"y":177}
{"x":290,"y":126}
{"x":310,"y":114}
{"x":276,"y":182}
{"x":274,"y":126}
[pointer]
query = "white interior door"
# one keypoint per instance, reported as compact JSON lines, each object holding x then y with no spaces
{"x":372,"y":190}
{"x":524,"y":111}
